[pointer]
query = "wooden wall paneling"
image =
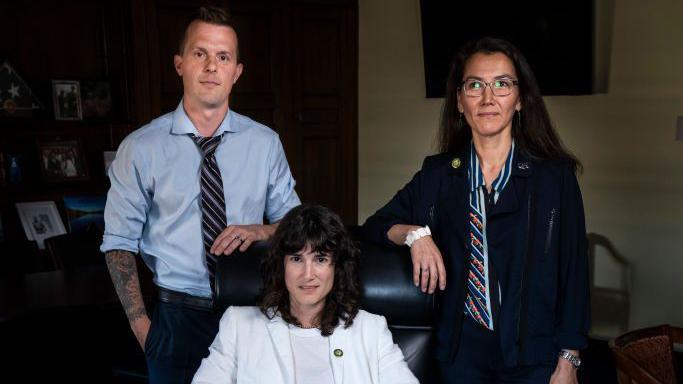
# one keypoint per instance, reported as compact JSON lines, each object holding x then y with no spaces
{"x":254,"y":94}
{"x":144,"y":84}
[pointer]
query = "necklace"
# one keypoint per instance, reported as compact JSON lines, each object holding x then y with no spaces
{"x":307,"y":326}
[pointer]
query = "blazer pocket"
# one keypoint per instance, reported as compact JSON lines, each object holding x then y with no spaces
{"x":552,"y":223}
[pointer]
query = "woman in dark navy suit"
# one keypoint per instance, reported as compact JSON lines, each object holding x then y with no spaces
{"x":496,"y":222}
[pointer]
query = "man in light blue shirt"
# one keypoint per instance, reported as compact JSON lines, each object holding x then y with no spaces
{"x":154,"y":206}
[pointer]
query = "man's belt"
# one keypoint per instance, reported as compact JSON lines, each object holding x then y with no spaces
{"x":194,"y":302}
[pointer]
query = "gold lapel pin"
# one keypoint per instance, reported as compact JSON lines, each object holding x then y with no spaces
{"x":338,"y":352}
{"x":456,"y":163}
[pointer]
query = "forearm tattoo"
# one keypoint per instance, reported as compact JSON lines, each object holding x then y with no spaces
{"x":124,"y":275}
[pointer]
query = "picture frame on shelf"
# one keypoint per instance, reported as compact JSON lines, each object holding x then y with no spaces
{"x":62,"y":161}
{"x":14,"y":168}
{"x":66,"y":98}
{"x":84,"y":213}
{"x":96,"y":99}
{"x":40,"y":220}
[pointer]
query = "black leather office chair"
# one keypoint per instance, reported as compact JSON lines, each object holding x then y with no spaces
{"x":386,"y":277}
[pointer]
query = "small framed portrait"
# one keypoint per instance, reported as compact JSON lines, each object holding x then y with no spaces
{"x":62,"y":160}
{"x":40,"y":220}
{"x":97,"y":101}
{"x":66,"y":96}
{"x":84,"y":213}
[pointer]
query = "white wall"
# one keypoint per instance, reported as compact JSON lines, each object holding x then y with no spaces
{"x":633,"y":179}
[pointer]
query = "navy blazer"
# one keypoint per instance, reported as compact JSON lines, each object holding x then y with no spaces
{"x":536,"y":234}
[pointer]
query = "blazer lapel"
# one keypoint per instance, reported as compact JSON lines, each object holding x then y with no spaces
{"x":509,"y":199}
{"x":339,"y":351}
{"x":279,"y":336}
{"x":453,"y":201}
{"x":504,"y":220}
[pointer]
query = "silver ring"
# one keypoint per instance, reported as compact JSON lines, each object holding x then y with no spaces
{"x":237,"y":237}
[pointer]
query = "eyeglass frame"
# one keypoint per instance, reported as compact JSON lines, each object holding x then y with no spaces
{"x":488,"y":84}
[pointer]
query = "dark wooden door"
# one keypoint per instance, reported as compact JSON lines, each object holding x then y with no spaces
{"x":322,"y":135}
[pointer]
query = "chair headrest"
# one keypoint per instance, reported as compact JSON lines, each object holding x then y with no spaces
{"x":385,"y":275}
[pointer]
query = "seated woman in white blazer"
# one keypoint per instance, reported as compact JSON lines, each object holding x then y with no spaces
{"x":307,"y":328}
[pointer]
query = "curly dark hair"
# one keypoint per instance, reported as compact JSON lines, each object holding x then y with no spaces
{"x":533,"y":131}
{"x":322,"y":230}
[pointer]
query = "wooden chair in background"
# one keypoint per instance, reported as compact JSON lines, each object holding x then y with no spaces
{"x":646,"y":356}
{"x":610,"y":305}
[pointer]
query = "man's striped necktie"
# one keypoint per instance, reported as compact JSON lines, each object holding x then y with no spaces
{"x":214,"y":218}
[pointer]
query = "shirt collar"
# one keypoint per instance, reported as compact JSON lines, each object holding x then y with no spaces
{"x":476,"y":176}
{"x":182,"y":125}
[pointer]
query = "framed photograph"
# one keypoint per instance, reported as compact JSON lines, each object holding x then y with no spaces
{"x":40,"y":220}
{"x":14,"y":167}
{"x":62,"y":160}
{"x":97,"y":102}
{"x":85,"y":213}
{"x":66,"y":97}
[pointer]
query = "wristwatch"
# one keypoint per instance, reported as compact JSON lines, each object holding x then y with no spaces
{"x":573,"y":359}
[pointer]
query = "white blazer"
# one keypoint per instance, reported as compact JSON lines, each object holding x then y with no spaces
{"x":250,"y":348}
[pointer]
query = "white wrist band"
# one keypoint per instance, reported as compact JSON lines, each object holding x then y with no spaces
{"x":416,"y":234}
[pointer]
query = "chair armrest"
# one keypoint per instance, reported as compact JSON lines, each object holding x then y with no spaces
{"x":632,"y":369}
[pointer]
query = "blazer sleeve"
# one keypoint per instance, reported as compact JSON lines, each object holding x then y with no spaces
{"x":574,"y":297}
{"x":392,"y":366}
{"x":399,"y":210}
{"x":221,"y":364}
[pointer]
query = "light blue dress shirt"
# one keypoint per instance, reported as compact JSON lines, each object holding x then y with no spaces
{"x":153,"y":205}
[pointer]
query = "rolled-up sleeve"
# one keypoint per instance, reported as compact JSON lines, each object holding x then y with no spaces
{"x":574,"y":298}
{"x":281,"y":194}
{"x":128,"y":200}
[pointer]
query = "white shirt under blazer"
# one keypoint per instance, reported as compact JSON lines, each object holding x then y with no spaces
{"x":250,"y":348}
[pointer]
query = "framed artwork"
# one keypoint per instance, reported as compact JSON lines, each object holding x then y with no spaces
{"x":97,"y":102}
{"x":85,"y":212}
{"x":40,"y":220}
{"x":62,"y":160}
{"x":14,"y":168}
{"x":66,"y":97}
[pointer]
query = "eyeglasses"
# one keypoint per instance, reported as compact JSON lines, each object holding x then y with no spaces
{"x":499,"y":87}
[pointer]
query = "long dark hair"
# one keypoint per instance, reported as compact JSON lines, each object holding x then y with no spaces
{"x":322,"y":230}
{"x":532,"y":131}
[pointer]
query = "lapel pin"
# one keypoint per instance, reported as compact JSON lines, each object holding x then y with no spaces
{"x":523,"y":165}
{"x":456,"y":163}
{"x":338,"y":352}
